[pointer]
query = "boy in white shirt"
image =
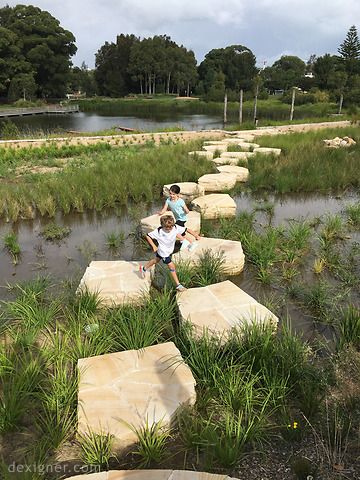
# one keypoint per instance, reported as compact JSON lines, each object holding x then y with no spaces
{"x":180,"y":210}
{"x":166,"y":236}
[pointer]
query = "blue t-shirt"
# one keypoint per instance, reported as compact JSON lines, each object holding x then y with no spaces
{"x":177,"y":208}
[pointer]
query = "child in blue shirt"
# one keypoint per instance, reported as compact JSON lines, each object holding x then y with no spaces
{"x":180,"y":210}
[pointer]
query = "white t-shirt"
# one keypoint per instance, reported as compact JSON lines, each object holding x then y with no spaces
{"x":166,"y":240}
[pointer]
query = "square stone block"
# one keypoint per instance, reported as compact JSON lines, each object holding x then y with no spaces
{"x":217,"y":182}
{"x":267,"y":151}
{"x":117,"y":282}
{"x":228,"y":160}
{"x":242,"y":174}
{"x":203,"y":153}
{"x":188,"y":190}
{"x":232,"y":254}
{"x":215,"y":205}
{"x":231,"y":307}
{"x":238,"y":155}
{"x":129,"y":388}
{"x":150,"y":223}
{"x":151,"y":475}
{"x":213,"y":148}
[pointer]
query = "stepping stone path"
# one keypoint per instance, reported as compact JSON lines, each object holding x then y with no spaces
{"x":189,"y":190}
{"x":242,"y":174}
{"x":136,"y":387}
{"x":151,"y":475}
{"x":131,"y":388}
{"x":150,"y":223}
{"x":215,"y":205}
{"x":220,"y":307}
{"x":116,"y":282}
{"x":231,"y":251}
{"x":217,"y":182}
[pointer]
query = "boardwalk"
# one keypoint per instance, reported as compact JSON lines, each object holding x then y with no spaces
{"x":49,"y":109}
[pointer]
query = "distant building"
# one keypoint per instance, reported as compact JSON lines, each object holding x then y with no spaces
{"x":75,"y":95}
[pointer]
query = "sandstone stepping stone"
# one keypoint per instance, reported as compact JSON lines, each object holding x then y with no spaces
{"x":215,"y":205}
{"x":217,"y":182}
{"x":247,"y":146}
{"x":188,"y":190}
{"x":151,"y":475}
{"x":216,"y":142}
{"x":267,"y":151}
{"x":238,"y":155}
{"x":242,"y":173}
{"x":231,"y":251}
{"x":203,"y":153}
{"x":150,"y":223}
{"x":220,"y":307}
{"x":227,"y":160}
{"x":214,"y":148}
{"x":117,"y":282}
{"x":129,"y":388}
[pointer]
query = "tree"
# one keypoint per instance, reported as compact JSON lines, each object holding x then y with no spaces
{"x":112,"y":66}
{"x":236,"y":63}
{"x":43,"y":47}
{"x":349,"y":51}
{"x":22,"y":86}
{"x":285,"y":73}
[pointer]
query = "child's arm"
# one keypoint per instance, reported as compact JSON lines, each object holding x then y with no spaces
{"x":151,"y":243}
{"x":163,"y":210}
{"x":179,"y":237}
{"x":185,"y":208}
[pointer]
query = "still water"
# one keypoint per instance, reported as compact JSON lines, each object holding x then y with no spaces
{"x":92,"y":122}
{"x":87,"y":241}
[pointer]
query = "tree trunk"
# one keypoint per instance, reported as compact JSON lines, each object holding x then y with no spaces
{"x":292,"y":105}
{"x":154,"y":84}
{"x":241,"y":106}
{"x":225,"y":108}
{"x":188,"y":90}
{"x":141,"y":86}
{"x":149,"y":83}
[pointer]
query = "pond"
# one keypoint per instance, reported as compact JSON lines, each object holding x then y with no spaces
{"x":92,"y":122}
{"x":87,"y":241}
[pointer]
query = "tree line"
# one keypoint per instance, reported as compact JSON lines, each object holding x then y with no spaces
{"x":35,"y":62}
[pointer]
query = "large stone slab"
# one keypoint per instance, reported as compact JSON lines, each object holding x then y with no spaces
{"x":242,"y":173}
{"x":151,"y":475}
{"x":215,"y":148}
{"x":247,"y":146}
{"x":150,"y":223}
{"x":202,"y":153}
{"x":131,"y":388}
{"x":268,"y":151}
{"x":220,"y":307}
{"x":188,"y":190}
{"x":215,"y":205}
{"x":116,"y":282}
{"x":231,"y":251}
{"x":227,"y":160}
{"x":217,"y":182}
{"x":238,"y":155}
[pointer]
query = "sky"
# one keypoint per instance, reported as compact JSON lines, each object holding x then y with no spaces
{"x":270,"y":28}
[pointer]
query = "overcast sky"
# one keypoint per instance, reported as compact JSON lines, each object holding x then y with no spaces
{"x":270,"y":28}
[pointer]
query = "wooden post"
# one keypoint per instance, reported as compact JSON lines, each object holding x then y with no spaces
{"x":225,"y":108}
{"x":255,"y":101}
{"x":341,"y":103}
{"x":292,"y":104}
{"x":241,"y":106}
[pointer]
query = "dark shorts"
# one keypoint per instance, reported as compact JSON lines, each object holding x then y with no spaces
{"x":181,"y":223}
{"x":165,"y":260}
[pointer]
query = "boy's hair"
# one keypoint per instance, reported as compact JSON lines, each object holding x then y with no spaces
{"x":175,"y":189}
{"x":167,"y":221}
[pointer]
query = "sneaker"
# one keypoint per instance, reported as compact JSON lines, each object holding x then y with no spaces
{"x":180,"y":288}
{"x":184,"y":244}
{"x":142,"y":271}
{"x":193,"y":246}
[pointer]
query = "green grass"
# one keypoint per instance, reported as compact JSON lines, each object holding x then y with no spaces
{"x":12,"y":245}
{"x":52,"y":232}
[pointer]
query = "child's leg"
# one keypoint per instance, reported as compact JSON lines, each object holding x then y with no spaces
{"x":151,"y":263}
{"x":173,"y":273}
{"x":194,"y":234}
